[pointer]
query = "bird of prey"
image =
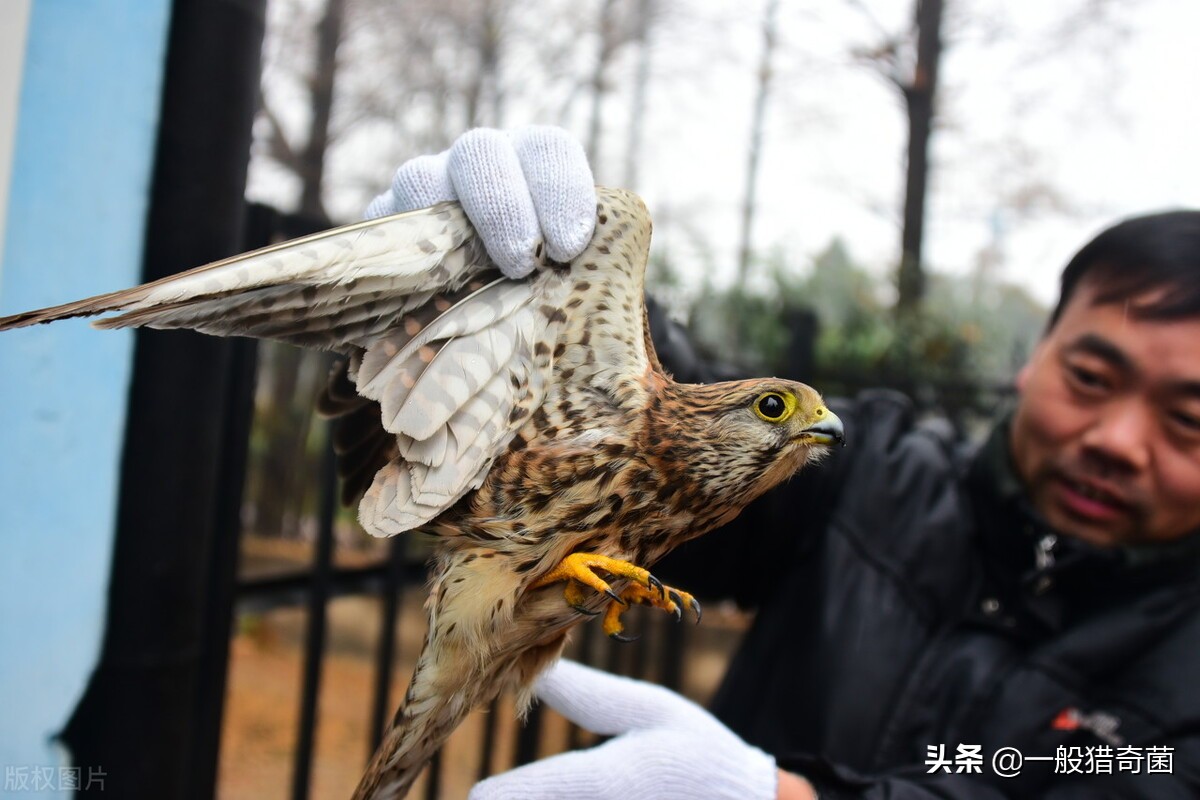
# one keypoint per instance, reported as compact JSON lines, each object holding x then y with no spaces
{"x":526,"y":423}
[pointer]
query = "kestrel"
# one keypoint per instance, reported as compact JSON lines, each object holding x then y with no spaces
{"x":527,"y":423}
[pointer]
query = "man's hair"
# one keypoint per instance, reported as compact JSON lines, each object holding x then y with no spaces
{"x":1158,"y":255}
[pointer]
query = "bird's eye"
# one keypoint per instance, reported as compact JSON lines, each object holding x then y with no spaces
{"x":774,"y":407}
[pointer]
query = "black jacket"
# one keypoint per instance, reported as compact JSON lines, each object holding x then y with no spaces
{"x":908,"y":598}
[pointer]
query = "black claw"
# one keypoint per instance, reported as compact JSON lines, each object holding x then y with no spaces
{"x":696,"y":609}
{"x":678,"y":601}
{"x":620,"y":637}
{"x":586,"y":611}
{"x":615,"y":596}
{"x":655,"y":583}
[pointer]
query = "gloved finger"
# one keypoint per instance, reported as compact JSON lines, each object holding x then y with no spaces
{"x":653,"y":765}
{"x":610,"y":704}
{"x":382,"y":206}
{"x":578,"y":774}
{"x":422,"y":182}
{"x":561,"y":185}
{"x":418,"y":183}
{"x":487,"y":177}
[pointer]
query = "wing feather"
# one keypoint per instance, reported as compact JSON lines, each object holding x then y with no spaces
{"x":460,"y":369}
{"x":460,"y":412}
{"x":454,"y":357}
{"x":388,"y":355}
{"x":332,"y":289}
{"x":602,"y":345}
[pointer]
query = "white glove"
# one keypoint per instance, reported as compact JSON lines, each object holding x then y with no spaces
{"x":519,"y":188}
{"x":665,"y":747}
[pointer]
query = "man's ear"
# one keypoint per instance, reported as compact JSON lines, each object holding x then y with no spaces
{"x":1023,"y":373}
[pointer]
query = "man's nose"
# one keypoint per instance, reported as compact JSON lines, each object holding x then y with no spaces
{"x":1122,"y":433}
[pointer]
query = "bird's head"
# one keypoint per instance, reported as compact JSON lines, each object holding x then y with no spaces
{"x":749,"y":436}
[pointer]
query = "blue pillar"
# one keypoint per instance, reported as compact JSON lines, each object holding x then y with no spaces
{"x":78,"y":192}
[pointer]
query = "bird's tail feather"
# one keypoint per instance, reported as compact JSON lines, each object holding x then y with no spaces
{"x":460,"y":670}
{"x":438,"y":699}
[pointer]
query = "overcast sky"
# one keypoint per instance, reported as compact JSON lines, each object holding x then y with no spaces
{"x":1088,"y":118}
{"x":1108,"y":122}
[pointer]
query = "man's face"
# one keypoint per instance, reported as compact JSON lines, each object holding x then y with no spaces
{"x":1106,"y":436}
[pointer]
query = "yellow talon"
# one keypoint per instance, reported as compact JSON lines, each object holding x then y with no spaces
{"x":612,"y":623}
{"x":665,"y":597}
{"x":576,"y":597}
{"x":580,"y":566}
{"x":645,"y":589}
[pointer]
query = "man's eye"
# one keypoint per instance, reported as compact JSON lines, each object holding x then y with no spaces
{"x":1087,"y":379}
{"x":1186,"y":421}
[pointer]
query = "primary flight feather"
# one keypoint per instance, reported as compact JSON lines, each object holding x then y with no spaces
{"x":526,"y":422}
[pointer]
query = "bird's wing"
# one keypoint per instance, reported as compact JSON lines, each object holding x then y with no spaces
{"x":338,"y":288}
{"x":455,"y":391}
{"x":446,"y":345}
{"x":604,"y":345}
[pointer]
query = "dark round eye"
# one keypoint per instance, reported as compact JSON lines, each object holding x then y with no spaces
{"x":771,"y":406}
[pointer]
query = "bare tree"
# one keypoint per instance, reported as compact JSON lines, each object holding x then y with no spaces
{"x":916,"y":79}
{"x":312,"y":166}
{"x":643,"y":23}
{"x":410,"y":76}
{"x":307,"y":159}
{"x":607,"y":33}
{"x":919,"y":93}
{"x":288,"y":376}
{"x":911,"y":62}
{"x":487,"y":38}
{"x":754,"y":153}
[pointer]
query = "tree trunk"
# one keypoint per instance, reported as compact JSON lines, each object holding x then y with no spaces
{"x":277,"y":503}
{"x":321,"y":86}
{"x":487,"y":44}
{"x":633,"y":149}
{"x":284,"y":413}
{"x":919,"y":98}
{"x":599,"y":84}
{"x":754,"y":156}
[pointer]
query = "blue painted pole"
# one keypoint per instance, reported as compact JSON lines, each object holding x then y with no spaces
{"x":152,"y":710}
{"x":78,"y":194}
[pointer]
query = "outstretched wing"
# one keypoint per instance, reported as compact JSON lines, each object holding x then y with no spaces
{"x":437,"y":337}
{"x":341,"y":287}
{"x":456,"y":356}
{"x":604,"y":345}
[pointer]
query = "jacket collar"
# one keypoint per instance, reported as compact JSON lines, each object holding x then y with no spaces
{"x":1051,"y":576}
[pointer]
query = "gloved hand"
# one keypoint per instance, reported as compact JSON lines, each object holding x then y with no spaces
{"x":665,"y":747}
{"x":519,"y":188}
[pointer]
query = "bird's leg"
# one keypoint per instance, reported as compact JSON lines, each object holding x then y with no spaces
{"x":668,"y":599}
{"x":576,"y":597}
{"x":579,"y":568}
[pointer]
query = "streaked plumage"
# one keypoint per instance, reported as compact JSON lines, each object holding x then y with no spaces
{"x":520,"y":420}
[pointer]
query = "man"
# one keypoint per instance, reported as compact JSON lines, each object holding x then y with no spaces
{"x":924,"y":619}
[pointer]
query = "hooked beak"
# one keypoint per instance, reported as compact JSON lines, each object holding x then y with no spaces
{"x":827,"y":430}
